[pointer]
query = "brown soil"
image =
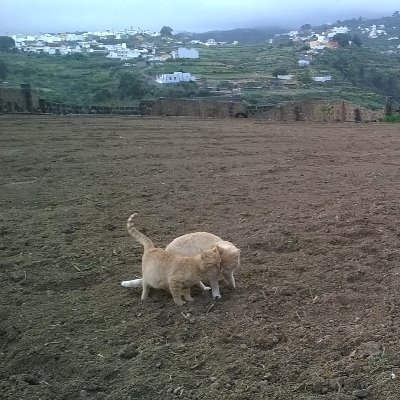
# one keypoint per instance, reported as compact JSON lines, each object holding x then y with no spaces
{"x":314,"y":208}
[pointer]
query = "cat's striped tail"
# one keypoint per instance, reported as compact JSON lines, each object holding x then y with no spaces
{"x":140,"y":237}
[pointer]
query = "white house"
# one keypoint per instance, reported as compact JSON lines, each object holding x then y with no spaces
{"x":103,"y":34}
{"x":188,"y":53}
{"x":375,"y":32}
{"x":72,"y":37}
{"x":293,"y":33}
{"x":176,"y":77}
{"x":49,"y":38}
{"x":338,"y":29}
{"x":322,"y":78}
{"x":211,"y":42}
{"x":21,"y":38}
{"x":304,"y":63}
{"x":124,"y":54}
{"x":285,"y":77}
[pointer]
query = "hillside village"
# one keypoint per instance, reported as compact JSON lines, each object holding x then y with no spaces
{"x":143,"y":47}
{"x":353,"y":60}
{"x":96,"y":42}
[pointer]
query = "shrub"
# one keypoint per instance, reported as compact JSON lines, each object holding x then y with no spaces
{"x":3,"y":70}
{"x":395,"y":119}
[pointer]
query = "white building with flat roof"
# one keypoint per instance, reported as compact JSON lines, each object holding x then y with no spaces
{"x":187,"y":53}
{"x":176,"y":77}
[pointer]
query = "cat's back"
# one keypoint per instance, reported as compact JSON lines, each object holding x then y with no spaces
{"x":193,"y":243}
{"x":157,"y":266}
{"x":156,"y":257}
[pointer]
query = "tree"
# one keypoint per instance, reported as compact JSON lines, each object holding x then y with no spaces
{"x":343,"y":39}
{"x":279,"y":71}
{"x":305,"y":77}
{"x":102,"y":95}
{"x":3,"y":70}
{"x":305,"y":28}
{"x":133,"y":86}
{"x":356,"y":40}
{"x":6,"y":43}
{"x":166,"y":31}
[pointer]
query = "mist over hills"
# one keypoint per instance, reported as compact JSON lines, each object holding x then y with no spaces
{"x":259,"y":35}
{"x":242,"y":35}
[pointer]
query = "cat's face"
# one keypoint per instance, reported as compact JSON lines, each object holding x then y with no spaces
{"x":211,"y":259}
{"x":230,"y":258}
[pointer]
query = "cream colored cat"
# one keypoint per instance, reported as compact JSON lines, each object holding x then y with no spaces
{"x":193,"y":243}
{"x":170,"y":271}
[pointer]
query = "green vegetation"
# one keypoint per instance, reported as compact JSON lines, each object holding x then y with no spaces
{"x":132,"y":85}
{"x":362,"y":72}
{"x":6,"y":43}
{"x":87,"y":79}
{"x":392,"y":118}
{"x":166,"y":31}
{"x":3,"y":69}
{"x":70,"y":79}
{"x":359,"y":75}
{"x":344,"y":39}
{"x":364,"y":69}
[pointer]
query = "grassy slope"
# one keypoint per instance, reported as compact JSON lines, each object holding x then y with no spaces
{"x":65,"y":79}
{"x":252,"y":67}
{"x":73,"y":79}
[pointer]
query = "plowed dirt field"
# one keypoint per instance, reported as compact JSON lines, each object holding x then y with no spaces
{"x":313,"y":207}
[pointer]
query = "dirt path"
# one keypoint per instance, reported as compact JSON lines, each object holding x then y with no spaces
{"x":314,"y":208}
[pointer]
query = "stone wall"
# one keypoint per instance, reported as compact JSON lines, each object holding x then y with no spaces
{"x":25,"y":99}
{"x":318,"y":111}
{"x":22,"y":99}
{"x":313,"y":110}
{"x":199,"y":108}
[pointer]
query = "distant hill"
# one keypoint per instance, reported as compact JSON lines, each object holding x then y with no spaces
{"x":244,"y":36}
{"x":359,"y":26}
{"x":388,"y":29}
{"x":392,"y":21}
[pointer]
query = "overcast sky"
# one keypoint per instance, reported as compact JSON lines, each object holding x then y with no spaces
{"x":27,"y":16}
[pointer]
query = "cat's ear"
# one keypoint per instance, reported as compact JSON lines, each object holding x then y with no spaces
{"x":218,"y":249}
{"x":203,"y":254}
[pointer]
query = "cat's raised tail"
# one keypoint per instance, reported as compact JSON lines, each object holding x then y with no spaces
{"x":140,"y":237}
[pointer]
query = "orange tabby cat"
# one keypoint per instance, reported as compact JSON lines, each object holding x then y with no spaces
{"x":171,"y":271}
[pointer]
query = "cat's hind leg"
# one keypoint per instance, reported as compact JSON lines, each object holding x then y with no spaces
{"x":186,"y":294}
{"x":145,"y":291}
{"x":176,"y":291}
